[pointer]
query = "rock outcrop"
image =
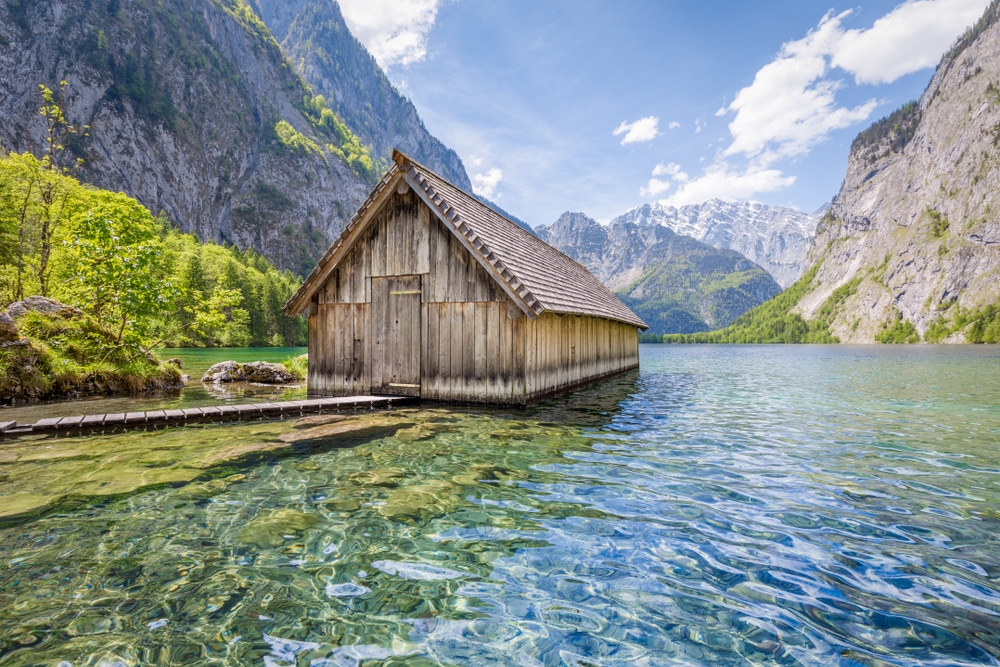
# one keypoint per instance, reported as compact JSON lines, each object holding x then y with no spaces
{"x":775,"y":237}
{"x":674,"y":283}
{"x":913,"y":237}
{"x":316,"y":39}
{"x":258,"y":372}
{"x":192,"y":109}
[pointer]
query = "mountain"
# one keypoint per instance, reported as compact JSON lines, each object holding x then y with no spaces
{"x":910,"y":248}
{"x":194,"y":110}
{"x":775,"y":237}
{"x":316,"y":39}
{"x":673,"y":282}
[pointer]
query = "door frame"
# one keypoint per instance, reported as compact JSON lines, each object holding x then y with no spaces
{"x":397,"y":325}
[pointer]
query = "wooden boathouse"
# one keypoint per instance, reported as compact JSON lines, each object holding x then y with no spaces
{"x":428,"y":292}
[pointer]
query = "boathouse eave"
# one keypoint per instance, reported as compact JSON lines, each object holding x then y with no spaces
{"x":356,"y":227}
{"x":470,"y":246}
{"x":300,"y":301}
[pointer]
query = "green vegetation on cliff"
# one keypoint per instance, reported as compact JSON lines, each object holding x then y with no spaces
{"x":143,"y":280}
{"x":773,"y":321}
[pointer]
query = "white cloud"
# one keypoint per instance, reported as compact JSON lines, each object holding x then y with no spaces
{"x":719,"y":181}
{"x":393,"y":31}
{"x":791,"y":104}
{"x":908,"y":39}
{"x":655,"y":187}
{"x":790,"y":107}
{"x":485,"y":185}
{"x":673,"y":125}
{"x":673,"y":170}
{"x":644,"y":129}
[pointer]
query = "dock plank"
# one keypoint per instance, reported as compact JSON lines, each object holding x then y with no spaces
{"x":218,"y":413}
{"x":45,"y":424}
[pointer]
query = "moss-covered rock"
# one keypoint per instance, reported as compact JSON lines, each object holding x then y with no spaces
{"x":61,"y":352}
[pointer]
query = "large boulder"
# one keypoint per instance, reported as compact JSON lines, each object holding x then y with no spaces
{"x":265,"y":373}
{"x":260,"y":372}
{"x":44,"y":305}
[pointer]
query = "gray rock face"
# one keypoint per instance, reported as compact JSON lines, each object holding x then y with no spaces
{"x":675,"y":283}
{"x":8,"y":329}
{"x":336,"y":65}
{"x":915,"y":224}
{"x":44,"y":305}
{"x":182,"y":99}
{"x":775,"y":237}
{"x":260,"y":372}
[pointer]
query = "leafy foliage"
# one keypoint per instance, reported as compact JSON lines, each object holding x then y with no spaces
{"x":898,"y":331}
{"x":771,"y":322}
{"x":939,"y":223}
{"x":981,"y":325}
{"x":295,"y":141}
{"x":76,"y":355}
{"x":146,"y":281}
{"x":347,"y":146}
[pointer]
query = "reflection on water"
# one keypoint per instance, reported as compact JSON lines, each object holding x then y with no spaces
{"x":194,"y":394}
{"x":730,"y":505}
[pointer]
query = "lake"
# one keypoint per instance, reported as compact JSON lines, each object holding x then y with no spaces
{"x":728,"y":505}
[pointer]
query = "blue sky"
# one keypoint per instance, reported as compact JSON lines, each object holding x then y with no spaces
{"x":598,"y":107}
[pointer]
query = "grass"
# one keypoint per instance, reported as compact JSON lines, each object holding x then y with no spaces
{"x":75,"y":356}
{"x":297,"y":366}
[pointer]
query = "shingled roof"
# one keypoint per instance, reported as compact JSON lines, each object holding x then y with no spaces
{"x":536,"y":276}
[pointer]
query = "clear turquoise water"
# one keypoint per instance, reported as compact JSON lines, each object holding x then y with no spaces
{"x":728,"y":505}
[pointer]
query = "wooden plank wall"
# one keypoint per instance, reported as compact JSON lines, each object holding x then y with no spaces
{"x":473,"y":336}
{"x":564,"y":351}
{"x":339,"y":354}
{"x":476,"y":346}
{"x":474,"y":351}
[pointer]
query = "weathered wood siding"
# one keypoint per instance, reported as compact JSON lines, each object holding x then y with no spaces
{"x":469,"y":341}
{"x":566,"y":351}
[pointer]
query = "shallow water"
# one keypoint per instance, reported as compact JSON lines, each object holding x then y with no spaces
{"x":194,"y":394}
{"x":729,"y":505}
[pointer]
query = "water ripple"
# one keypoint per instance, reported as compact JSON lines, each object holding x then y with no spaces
{"x":728,"y":506}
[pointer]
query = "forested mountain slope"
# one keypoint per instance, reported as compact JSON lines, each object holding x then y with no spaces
{"x":674,"y":283}
{"x":775,"y":237}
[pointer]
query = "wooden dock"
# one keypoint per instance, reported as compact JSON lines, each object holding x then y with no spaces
{"x":211,"y":413}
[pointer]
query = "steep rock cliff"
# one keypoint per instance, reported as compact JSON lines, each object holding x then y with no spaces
{"x":675,"y":283}
{"x":336,"y":65}
{"x":913,"y":237}
{"x":192,"y":108}
{"x":775,"y":237}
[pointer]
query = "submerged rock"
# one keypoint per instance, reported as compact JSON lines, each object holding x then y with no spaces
{"x":260,"y":372}
{"x":273,"y":528}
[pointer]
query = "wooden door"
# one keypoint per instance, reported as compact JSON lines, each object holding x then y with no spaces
{"x":396,"y":335}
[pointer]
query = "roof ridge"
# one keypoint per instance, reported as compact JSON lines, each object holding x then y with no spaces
{"x":536,"y":276}
{"x":463,"y":227}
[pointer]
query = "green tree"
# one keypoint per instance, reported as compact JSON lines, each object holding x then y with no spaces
{"x":112,"y":259}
